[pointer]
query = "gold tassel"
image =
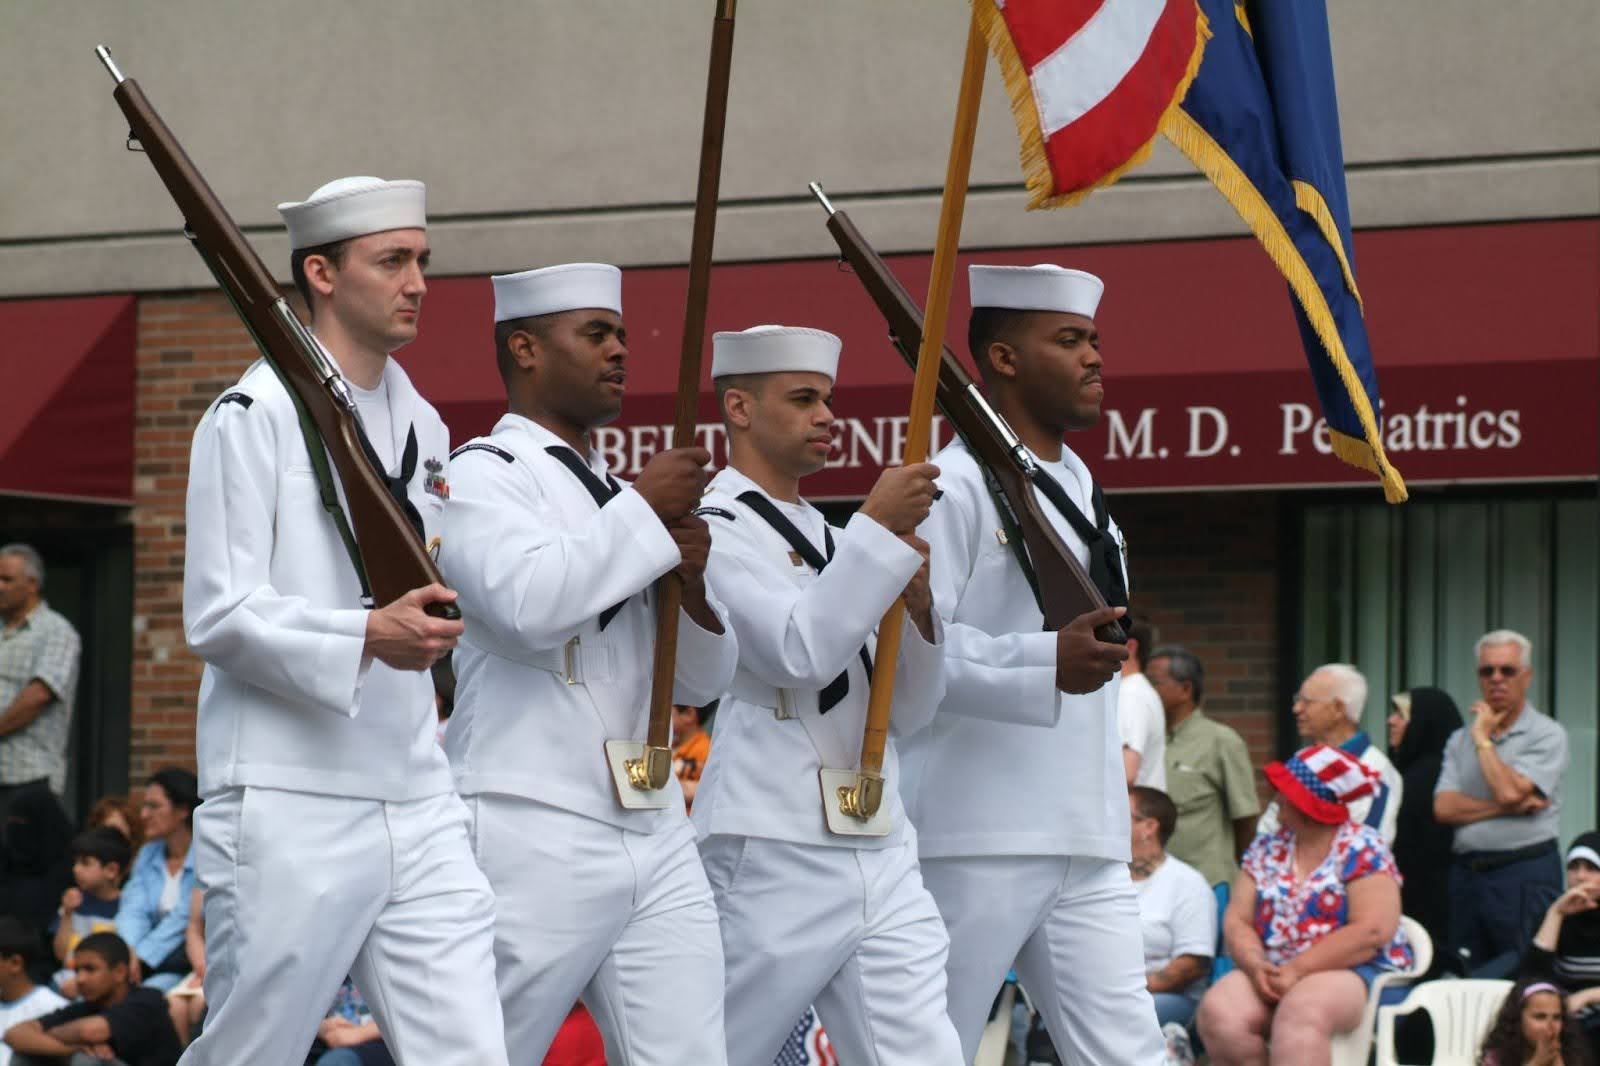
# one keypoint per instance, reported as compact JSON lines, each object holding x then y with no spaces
{"x":1193,"y":140}
{"x":1035,"y":165}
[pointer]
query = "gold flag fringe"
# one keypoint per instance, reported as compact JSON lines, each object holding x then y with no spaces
{"x":1193,"y":140}
{"x":1308,"y":199}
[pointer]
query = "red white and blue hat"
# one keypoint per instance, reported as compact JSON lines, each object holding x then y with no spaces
{"x":1320,"y":781}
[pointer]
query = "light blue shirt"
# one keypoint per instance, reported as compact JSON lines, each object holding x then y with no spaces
{"x":151,"y":934}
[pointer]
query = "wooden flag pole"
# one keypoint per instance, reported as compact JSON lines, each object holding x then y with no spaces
{"x":864,"y":798}
{"x":653,"y":769}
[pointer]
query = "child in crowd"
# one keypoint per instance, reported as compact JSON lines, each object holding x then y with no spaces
{"x":115,"y":1018}
{"x":20,"y":999}
{"x":1532,"y":1029}
{"x":99,"y":864}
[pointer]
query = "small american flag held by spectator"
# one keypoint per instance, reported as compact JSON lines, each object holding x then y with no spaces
{"x":807,"y":1045}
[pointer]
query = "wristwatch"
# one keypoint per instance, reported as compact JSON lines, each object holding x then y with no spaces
{"x":1483,"y":743}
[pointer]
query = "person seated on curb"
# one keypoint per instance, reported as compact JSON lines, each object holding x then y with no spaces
{"x":20,"y":999}
{"x":1566,"y":948}
{"x":116,"y":1019}
{"x":1177,"y":910}
{"x":100,"y":860}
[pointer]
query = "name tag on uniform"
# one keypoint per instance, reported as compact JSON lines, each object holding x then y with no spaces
{"x":795,"y":560}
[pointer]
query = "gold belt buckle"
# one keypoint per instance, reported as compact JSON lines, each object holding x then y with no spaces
{"x":572,"y":662}
{"x":783,"y":712}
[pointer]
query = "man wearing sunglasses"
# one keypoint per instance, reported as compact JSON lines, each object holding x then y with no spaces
{"x":1500,"y":786}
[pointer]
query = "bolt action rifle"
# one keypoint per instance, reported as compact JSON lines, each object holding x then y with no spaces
{"x":385,"y":548}
{"x":1062,"y":587}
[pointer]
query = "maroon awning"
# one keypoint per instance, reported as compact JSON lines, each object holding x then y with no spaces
{"x":1486,"y":338}
{"x":66,"y":406}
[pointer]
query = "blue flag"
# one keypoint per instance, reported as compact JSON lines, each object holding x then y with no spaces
{"x":1262,"y":122}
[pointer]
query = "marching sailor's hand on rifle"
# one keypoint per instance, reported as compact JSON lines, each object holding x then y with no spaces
{"x":901,"y":499}
{"x":673,"y":481}
{"x":405,"y":636}
{"x":1084,"y":663}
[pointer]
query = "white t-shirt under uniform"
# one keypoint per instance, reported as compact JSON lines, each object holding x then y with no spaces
{"x":1178,"y":916}
{"x":1142,"y":724}
{"x":35,"y":1004}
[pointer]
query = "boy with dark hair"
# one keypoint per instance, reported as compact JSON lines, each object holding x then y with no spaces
{"x":20,"y":999}
{"x":100,"y":860}
{"x":115,"y":1020}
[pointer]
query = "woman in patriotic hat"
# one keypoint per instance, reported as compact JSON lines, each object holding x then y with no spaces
{"x":1314,"y":917}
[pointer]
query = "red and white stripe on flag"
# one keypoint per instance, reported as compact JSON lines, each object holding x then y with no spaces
{"x":1089,"y":82}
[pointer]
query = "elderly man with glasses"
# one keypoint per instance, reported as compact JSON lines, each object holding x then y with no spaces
{"x":1500,"y":786}
{"x":1327,"y":710}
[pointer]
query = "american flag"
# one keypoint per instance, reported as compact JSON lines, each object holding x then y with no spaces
{"x":807,"y":1044}
{"x":1090,"y":81}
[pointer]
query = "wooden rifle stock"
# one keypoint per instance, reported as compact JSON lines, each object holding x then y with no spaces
{"x":1065,"y":589}
{"x":393,"y":557}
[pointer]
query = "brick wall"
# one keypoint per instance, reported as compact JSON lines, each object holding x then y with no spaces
{"x":190,"y":348}
{"x":1205,"y":574}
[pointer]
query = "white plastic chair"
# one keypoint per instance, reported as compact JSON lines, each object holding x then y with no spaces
{"x":1350,"y":1048}
{"x":1462,"y":1012}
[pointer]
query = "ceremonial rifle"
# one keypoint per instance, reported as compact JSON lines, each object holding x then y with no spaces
{"x":1064,"y":589}
{"x":388,"y":555}
{"x":651,"y":769}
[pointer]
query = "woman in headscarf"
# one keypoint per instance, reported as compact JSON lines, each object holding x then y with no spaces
{"x":1566,"y":949}
{"x":35,"y":862}
{"x":1419,"y":724}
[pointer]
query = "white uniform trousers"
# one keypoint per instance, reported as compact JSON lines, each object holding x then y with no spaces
{"x":304,"y":889}
{"x":1070,"y":925}
{"x":852,"y":931}
{"x":622,"y":920}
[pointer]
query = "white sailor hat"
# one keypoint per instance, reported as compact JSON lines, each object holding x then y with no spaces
{"x":770,"y":349}
{"x":568,"y":287}
{"x":1045,"y":287}
{"x":354,"y":207}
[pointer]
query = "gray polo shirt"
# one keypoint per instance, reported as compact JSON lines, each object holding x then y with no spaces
{"x":1536,"y":748}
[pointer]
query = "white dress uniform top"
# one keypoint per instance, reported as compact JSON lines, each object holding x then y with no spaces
{"x":809,"y":916}
{"x":592,"y":900}
{"x":1017,"y":789}
{"x":330,"y":841}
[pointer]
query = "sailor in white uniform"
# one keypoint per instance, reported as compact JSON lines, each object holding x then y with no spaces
{"x":331,"y":841}
{"x":555,"y":561}
{"x":1017,"y":789}
{"x":810,"y":916}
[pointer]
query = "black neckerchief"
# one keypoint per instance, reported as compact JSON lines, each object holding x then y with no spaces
{"x":836,"y":689}
{"x":602,"y":491}
{"x":1105,"y":555}
{"x":397,"y":484}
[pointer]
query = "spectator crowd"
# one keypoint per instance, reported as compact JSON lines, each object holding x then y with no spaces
{"x":1264,"y":930}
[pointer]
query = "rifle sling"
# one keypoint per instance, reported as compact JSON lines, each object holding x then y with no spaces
{"x":839,"y":687}
{"x":308,"y":430}
{"x":1013,"y":532}
{"x":318,"y":454}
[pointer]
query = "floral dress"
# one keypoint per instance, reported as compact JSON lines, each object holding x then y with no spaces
{"x":1292,"y":914}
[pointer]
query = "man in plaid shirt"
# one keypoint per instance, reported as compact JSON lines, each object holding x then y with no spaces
{"x":38,"y":676}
